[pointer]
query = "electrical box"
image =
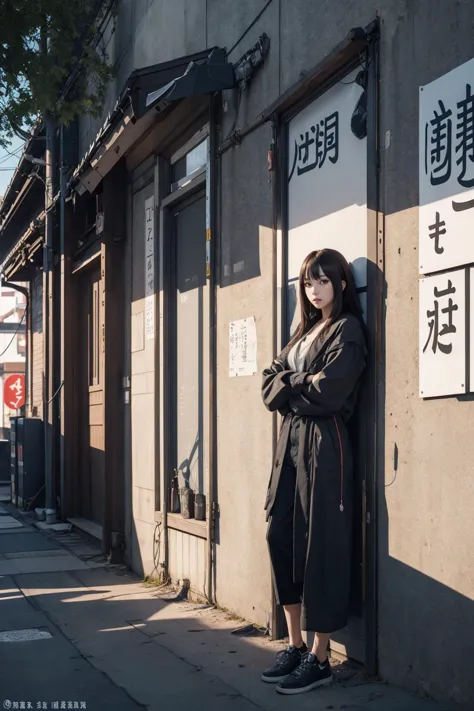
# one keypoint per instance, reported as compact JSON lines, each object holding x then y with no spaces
{"x":4,"y":461}
{"x":13,"y":461}
{"x":30,"y":462}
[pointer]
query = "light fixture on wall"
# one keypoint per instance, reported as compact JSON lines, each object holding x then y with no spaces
{"x":245,"y":67}
{"x":359,"y":116}
{"x":35,"y":161}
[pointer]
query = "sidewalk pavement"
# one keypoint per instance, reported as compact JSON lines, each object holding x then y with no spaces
{"x":98,"y":638}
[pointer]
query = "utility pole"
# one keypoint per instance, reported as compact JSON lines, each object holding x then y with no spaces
{"x":48,"y":320}
{"x":48,"y":298}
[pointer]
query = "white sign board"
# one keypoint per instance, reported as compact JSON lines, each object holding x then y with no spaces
{"x":150,"y":268}
{"x":446,"y":171}
{"x":443,"y":334}
{"x":327,"y":181}
{"x":471,"y":330}
{"x":242,"y":347}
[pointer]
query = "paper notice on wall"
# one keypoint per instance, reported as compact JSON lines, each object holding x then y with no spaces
{"x":150,"y":268}
{"x":242,"y":347}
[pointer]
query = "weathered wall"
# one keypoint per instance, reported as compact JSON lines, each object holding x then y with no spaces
{"x":244,"y":432}
{"x":425,"y":529}
{"x":424,"y":525}
{"x":425,"y":580}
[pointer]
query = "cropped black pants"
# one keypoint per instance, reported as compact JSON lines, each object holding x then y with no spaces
{"x":280,"y":532}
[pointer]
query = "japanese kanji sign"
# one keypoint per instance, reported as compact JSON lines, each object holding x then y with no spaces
{"x":446,"y":171}
{"x":327,"y":183}
{"x":443,"y":334}
{"x":150,"y":268}
{"x":312,"y":147}
{"x":14,"y":393}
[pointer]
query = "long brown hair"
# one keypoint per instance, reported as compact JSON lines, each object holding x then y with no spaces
{"x":346,"y":300}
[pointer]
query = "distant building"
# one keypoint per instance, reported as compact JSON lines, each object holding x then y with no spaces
{"x":12,"y":346}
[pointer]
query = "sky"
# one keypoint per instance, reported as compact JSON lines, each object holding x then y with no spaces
{"x":9,"y":161}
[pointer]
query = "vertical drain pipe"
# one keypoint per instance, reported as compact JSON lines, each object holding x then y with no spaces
{"x":211,"y":274}
{"x":62,"y":361}
{"x":50,"y":501}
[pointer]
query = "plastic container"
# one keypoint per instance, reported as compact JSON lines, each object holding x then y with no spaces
{"x":50,"y":516}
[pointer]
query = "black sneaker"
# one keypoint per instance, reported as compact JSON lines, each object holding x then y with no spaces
{"x":288,"y":660}
{"x":307,"y":676}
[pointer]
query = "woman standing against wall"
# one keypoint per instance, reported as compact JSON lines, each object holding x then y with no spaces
{"x":314,"y":385}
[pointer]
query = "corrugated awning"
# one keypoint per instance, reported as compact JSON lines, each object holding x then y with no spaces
{"x":148,"y":91}
{"x":26,"y":247}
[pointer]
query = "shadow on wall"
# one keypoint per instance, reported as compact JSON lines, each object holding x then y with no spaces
{"x":428,"y":627}
{"x":418,"y":611}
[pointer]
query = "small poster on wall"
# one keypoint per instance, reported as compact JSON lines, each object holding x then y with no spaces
{"x":242,"y":347}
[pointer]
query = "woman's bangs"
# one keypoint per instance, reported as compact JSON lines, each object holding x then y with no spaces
{"x":313,"y":267}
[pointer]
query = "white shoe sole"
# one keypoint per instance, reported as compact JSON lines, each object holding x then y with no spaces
{"x":289,"y":692}
{"x":272,"y":680}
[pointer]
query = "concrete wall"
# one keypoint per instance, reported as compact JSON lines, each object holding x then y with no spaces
{"x":425,"y":528}
{"x":244,"y":433}
{"x":142,"y":401}
{"x":424,"y":525}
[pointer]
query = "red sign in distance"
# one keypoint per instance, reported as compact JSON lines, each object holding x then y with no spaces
{"x":14,"y":394}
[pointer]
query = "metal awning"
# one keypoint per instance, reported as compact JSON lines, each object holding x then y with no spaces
{"x":215,"y":74}
{"x":149,"y":91}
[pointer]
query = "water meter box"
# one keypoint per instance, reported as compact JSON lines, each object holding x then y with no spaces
{"x":30,"y":462}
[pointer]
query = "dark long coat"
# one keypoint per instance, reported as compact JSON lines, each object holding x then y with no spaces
{"x":322,"y":528}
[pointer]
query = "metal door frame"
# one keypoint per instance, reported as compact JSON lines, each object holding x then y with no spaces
{"x":194,"y":190}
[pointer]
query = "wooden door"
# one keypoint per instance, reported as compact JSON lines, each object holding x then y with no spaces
{"x":92,"y":470}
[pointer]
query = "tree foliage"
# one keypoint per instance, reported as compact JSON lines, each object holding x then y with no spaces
{"x":52,"y":61}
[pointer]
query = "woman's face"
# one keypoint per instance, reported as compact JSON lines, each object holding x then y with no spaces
{"x":320,"y":292}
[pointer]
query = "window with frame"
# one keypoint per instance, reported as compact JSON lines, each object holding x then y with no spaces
{"x":94,"y":336}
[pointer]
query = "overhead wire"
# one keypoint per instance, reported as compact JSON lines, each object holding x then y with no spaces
{"x":16,"y":332}
{"x":9,"y":154}
{"x":56,"y":393}
{"x":252,"y":24}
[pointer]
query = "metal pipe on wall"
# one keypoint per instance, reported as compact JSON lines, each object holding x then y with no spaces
{"x":211,"y":243}
{"x":47,"y":318}
{"x":62,"y":207}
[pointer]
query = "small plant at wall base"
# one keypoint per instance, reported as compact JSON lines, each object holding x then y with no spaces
{"x":52,"y":61}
